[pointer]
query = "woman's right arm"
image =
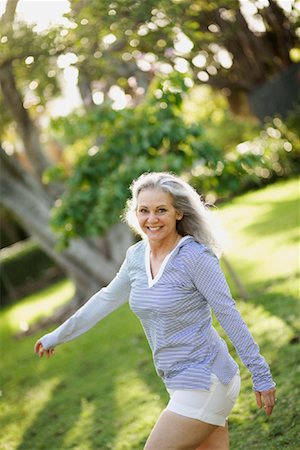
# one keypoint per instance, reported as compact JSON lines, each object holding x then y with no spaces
{"x":96,"y":308}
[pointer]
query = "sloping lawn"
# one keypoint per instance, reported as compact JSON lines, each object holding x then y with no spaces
{"x":263,"y":230}
{"x":101,"y":392}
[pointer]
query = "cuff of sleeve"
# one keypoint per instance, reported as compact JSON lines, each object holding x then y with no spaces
{"x":48,"y":341}
{"x":263,"y":384}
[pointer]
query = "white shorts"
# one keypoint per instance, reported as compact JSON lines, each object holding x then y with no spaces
{"x":211,"y":406}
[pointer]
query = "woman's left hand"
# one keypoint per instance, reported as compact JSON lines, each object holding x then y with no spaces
{"x":268,"y":399}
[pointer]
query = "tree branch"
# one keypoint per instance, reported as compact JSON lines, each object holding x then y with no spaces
{"x":28,"y":132}
{"x":9,"y":14}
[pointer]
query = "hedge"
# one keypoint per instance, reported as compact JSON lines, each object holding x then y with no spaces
{"x":24,"y":268}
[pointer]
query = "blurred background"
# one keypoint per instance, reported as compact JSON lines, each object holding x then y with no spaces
{"x":94,"y":93}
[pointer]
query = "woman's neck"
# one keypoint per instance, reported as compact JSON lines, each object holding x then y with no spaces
{"x":161,"y":249}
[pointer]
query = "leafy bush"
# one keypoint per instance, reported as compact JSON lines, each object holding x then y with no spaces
{"x":270,"y":152}
{"x":151,"y":137}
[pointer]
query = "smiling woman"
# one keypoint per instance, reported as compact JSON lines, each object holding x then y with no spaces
{"x":192,"y":216}
{"x":173,"y":281}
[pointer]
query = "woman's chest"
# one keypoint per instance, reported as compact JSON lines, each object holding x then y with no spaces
{"x":172,"y":292}
{"x":155,"y":266}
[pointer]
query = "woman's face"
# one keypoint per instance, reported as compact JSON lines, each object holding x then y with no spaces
{"x":157,"y":216}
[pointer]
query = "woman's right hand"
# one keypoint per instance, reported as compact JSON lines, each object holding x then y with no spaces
{"x":40,"y":350}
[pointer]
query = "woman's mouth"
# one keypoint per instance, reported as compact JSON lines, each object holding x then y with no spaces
{"x":154,"y":228}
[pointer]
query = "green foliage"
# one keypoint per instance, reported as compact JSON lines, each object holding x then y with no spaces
{"x":128,"y":42}
{"x":151,"y":137}
{"x":100,"y":392}
{"x":253,"y":155}
{"x":114,"y":147}
{"x":150,"y":31}
{"x":210,"y":108}
{"x":34,"y":60}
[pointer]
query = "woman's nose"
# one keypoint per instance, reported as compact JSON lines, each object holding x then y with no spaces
{"x":152,"y":218}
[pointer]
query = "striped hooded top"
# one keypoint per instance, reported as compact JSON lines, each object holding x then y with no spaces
{"x":175,"y":309}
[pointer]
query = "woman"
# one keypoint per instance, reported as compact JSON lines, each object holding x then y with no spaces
{"x":173,"y":280}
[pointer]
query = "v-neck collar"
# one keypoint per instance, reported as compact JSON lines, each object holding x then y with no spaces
{"x":152,"y":281}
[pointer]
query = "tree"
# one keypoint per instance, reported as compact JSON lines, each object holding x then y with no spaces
{"x":213,"y":41}
{"x":125,"y":43}
{"x":89,"y":263}
{"x":152,"y":136}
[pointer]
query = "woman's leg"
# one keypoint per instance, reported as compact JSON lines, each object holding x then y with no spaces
{"x":176,"y":432}
{"x":217,"y":440}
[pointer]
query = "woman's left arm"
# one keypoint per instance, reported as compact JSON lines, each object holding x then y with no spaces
{"x":211,"y":283}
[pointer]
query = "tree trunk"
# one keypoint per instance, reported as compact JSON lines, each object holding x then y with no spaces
{"x":84,"y":85}
{"x":82,"y":261}
{"x":90,"y":266}
{"x":281,"y":33}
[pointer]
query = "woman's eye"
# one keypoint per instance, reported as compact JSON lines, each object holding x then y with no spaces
{"x":162,"y":210}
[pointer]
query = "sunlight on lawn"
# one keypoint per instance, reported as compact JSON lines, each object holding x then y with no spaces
{"x":264,"y":221}
{"x":82,"y":429}
{"x":102,"y":392}
{"x":138,"y":408}
{"x":24,"y":413}
{"x":19,"y":316}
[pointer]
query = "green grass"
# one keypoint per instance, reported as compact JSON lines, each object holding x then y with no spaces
{"x":101,"y":392}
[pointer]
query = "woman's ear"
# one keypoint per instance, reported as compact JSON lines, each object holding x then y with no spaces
{"x":179,"y":215}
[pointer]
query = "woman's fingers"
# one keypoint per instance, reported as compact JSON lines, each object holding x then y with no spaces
{"x":268,"y":409}
{"x":258,"y":399}
{"x":268,"y":399}
{"x":37,"y":346}
{"x":40,"y":350}
{"x":49,"y":352}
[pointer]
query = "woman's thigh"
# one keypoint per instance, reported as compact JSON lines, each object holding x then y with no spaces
{"x":217,"y":440}
{"x":176,"y":432}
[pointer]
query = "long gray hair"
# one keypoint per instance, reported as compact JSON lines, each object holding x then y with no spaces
{"x":196,"y":220}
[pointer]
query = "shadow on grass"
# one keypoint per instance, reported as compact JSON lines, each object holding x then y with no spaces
{"x":83,"y":410}
{"x":275,"y":295}
{"x":54,"y":427}
{"x":282,"y":215}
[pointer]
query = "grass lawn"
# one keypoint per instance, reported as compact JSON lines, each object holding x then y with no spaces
{"x":101,"y":391}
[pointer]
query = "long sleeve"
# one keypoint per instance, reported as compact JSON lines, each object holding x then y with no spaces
{"x":211,"y":283}
{"x":96,"y":308}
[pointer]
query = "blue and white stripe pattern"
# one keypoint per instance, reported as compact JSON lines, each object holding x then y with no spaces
{"x":175,"y":311}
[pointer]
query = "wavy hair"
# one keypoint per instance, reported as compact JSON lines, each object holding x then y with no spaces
{"x":196,"y":220}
